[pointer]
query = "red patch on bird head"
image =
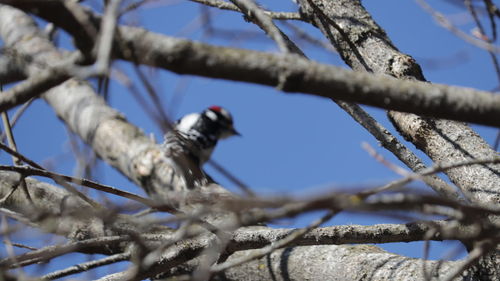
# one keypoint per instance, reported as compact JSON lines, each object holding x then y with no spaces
{"x":216,"y":108}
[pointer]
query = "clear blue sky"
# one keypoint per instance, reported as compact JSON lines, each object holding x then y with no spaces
{"x":292,"y":144}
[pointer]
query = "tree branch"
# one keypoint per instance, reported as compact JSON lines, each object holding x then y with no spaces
{"x":344,"y":22}
{"x":367,"y":261}
{"x":86,"y":266}
{"x":231,"y":7}
{"x":187,"y":57}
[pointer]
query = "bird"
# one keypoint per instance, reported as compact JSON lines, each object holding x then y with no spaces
{"x":193,"y":138}
{"x":203,"y":131}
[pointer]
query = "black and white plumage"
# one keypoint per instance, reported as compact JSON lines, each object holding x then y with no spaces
{"x":193,"y":139}
{"x":205,"y":129}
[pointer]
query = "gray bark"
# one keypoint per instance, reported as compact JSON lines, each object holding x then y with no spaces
{"x":291,"y":73}
{"x":126,"y":148}
{"x":365,"y":47}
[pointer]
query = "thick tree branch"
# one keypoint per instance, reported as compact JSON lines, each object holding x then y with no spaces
{"x":292,"y":73}
{"x":57,"y":211}
{"x":10,"y":70}
{"x":119,"y":143}
{"x":295,"y":74}
{"x":402,"y":152}
{"x":352,"y":30}
{"x":245,"y":238}
{"x":253,"y":237}
{"x":388,"y":141}
{"x":393,"y":145}
{"x":370,"y":262}
{"x":365,"y":47}
{"x":32,"y":87}
{"x":333,"y":263}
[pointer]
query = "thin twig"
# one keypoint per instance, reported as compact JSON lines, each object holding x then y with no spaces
{"x":482,"y":35}
{"x":103,"y":46}
{"x":20,"y":245}
{"x":391,"y":143}
{"x":58,"y":178}
{"x":12,"y":144}
{"x":231,"y":7}
{"x":17,"y":115}
{"x":305,"y":36}
{"x":19,"y":156}
{"x":86,"y":266}
{"x":490,"y":8}
{"x":127,"y":82}
{"x":10,"y":137}
{"x":106,"y":36}
{"x":31,"y":171}
{"x":250,"y":9}
{"x":36,"y":166}
{"x":437,"y":168}
{"x":444,"y":22}
{"x":165,"y":122}
{"x":18,"y":217}
{"x":50,"y":252}
{"x":373,"y":153}
{"x":232,"y":178}
{"x":8,"y":246}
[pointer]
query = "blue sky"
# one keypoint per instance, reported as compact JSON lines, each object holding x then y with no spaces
{"x":292,"y":144}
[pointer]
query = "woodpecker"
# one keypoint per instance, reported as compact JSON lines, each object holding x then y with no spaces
{"x":204,"y":129}
{"x":193,"y":139}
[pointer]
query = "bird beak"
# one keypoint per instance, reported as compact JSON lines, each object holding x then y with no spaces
{"x":234,"y":132}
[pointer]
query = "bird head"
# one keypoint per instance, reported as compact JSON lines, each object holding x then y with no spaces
{"x":222,"y":121}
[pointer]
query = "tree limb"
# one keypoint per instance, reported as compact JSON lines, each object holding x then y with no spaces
{"x":292,"y":73}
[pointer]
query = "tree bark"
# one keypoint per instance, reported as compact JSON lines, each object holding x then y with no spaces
{"x":361,"y":43}
{"x":365,"y":46}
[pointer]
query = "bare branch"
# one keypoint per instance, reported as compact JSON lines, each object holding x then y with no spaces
{"x":86,"y":266}
{"x":16,"y":117}
{"x":436,"y":168}
{"x":444,"y":141}
{"x":136,"y":156}
{"x":293,"y":235}
{"x":395,"y":168}
{"x":106,"y":36}
{"x":402,"y":152}
{"x":388,"y":141}
{"x":443,"y":21}
{"x":252,"y":11}
{"x":104,"y":44}
{"x":112,"y":137}
{"x":231,"y":7}
{"x":293,"y":74}
{"x":254,"y":237}
{"x":313,"y":78}
{"x":28,"y":171}
{"x":32,"y":87}
{"x":50,"y":252}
